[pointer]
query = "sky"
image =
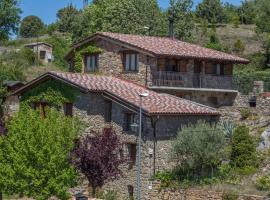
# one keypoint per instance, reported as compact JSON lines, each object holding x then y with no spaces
{"x":46,"y":9}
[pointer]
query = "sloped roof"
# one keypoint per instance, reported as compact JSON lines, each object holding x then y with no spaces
{"x":164,"y":46}
{"x":128,"y":92}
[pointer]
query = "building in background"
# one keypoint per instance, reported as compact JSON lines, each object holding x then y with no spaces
{"x":43,"y":50}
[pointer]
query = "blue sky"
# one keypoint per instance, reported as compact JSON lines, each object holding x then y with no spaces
{"x":46,"y":9}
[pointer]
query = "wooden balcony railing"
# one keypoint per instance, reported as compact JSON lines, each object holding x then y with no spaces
{"x":191,"y":80}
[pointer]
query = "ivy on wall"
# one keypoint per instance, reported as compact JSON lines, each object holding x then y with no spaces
{"x":52,"y":92}
{"x":85,"y":49}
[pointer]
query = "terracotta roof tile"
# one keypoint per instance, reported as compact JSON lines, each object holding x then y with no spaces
{"x":164,"y":46}
{"x":129,"y":92}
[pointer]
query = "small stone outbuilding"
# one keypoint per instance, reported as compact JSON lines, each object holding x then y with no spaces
{"x":44,"y":51}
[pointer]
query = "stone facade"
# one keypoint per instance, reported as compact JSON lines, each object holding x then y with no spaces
{"x":92,"y":109}
{"x":44,"y":51}
{"x":156,"y":193}
{"x":110,"y":62}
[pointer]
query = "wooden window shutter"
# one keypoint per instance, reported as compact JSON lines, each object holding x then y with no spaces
{"x":68,"y":109}
{"x":132,"y":153}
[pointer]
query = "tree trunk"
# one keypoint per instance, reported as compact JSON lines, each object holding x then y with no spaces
{"x":1,"y":195}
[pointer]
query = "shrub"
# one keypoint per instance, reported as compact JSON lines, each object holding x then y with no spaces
{"x":28,"y":55}
{"x":166,"y":178}
{"x":107,"y":195}
{"x":36,"y":152}
{"x":263,"y":183}
{"x":243,"y":149}
{"x":230,"y":196}
{"x":245,"y":113}
{"x":198,"y":150}
{"x":239,"y":46}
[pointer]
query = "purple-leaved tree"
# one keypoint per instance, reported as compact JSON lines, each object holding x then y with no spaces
{"x":97,"y":157}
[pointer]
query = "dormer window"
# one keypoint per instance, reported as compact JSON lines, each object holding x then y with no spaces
{"x":91,"y":63}
{"x":131,"y":61}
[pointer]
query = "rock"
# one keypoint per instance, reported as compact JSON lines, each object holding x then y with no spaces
{"x":265,"y":140}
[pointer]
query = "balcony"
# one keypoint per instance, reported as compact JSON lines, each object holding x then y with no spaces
{"x":191,"y":80}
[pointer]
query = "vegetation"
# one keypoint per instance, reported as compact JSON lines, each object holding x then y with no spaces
{"x":9,"y":18}
{"x":198,"y":150}
{"x":53,"y":92}
{"x":243,"y":149}
{"x":86,"y":49}
{"x":180,"y":12}
{"x":34,"y":155}
{"x":263,"y":183}
{"x":31,"y":26}
{"x":66,"y":18}
{"x":211,"y":10}
{"x":97,"y":157}
{"x":230,"y":196}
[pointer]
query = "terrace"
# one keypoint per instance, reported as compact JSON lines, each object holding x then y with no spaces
{"x":195,"y":74}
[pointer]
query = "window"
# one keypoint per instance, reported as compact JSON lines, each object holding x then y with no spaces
{"x":132,"y":152}
{"x":91,"y":63}
{"x":129,"y":119}
{"x":108,"y":112}
{"x":42,"y":55}
{"x":68,"y":109}
{"x":212,"y":68}
{"x":131,"y":62}
{"x":41,"y":107}
{"x":130,"y":191}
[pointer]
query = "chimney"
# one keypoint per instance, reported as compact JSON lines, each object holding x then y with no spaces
{"x":171,"y":28}
{"x":171,"y":23}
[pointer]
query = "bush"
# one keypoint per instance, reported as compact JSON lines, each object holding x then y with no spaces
{"x":107,"y":195}
{"x":245,"y":113}
{"x":263,"y":183}
{"x":239,"y":46}
{"x":243,"y":149}
{"x":230,"y":196}
{"x":166,"y":178}
{"x":198,"y":150}
{"x":28,"y":55}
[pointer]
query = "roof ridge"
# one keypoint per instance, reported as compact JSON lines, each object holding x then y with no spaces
{"x":140,"y":35}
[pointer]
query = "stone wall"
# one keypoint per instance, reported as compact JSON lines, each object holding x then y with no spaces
{"x":156,"y":193}
{"x":111,"y":63}
{"x":92,"y":108}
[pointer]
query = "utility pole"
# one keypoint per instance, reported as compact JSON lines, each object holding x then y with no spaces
{"x":138,"y":175}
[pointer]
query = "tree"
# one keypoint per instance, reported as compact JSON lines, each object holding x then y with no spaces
{"x":212,"y":10}
{"x":247,"y":12}
{"x":198,"y":148}
{"x":9,"y":18}
{"x":121,"y":16}
{"x":214,"y":42}
{"x":66,"y":17}
{"x":31,"y":26}
{"x":180,"y":11}
{"x":262,"y":19}
{"x":34,"y":157}
{"x":243,"y":149}
{"x":239,"y":46}
{"x":97,"y":157}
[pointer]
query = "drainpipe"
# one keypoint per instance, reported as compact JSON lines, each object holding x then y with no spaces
{"x":154,"y":121}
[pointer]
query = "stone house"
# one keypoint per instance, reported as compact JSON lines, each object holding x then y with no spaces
{"x":43,"y":50}
{"x":109,"y":101}
{"x":163,"y":65}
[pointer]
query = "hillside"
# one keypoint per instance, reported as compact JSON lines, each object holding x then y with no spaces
{"x":227,"y":34}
